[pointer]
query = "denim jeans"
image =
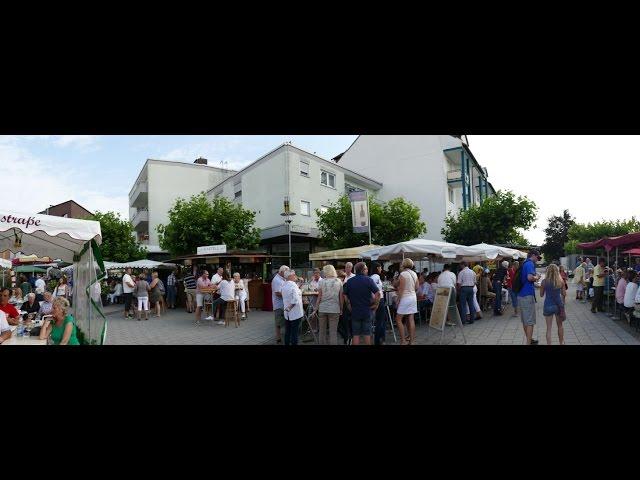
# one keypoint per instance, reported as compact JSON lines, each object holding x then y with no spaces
{"x":171,"y":295}
{"x":380,"y":330}
{"x":497,"y":303}
{"x":466,"y":296}
{"x":514,"y":298}
{"x":291,"y":329}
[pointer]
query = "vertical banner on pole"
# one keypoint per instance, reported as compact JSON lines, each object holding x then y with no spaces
{"x":359,"y":211}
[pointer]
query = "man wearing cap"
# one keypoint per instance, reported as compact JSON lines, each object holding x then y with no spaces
{"x":527,"y":295}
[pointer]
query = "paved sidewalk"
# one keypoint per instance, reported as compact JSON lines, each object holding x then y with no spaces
{"x":176,"y":328}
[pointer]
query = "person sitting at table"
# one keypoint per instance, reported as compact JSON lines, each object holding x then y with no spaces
{"x":226,"y":288}
{"x":31,"y":305}
{"x":5,"y":329}
{"x":13,"y":315}
{"x":423,"y":292}
{"x":62,"y":329}
{"x":16,"y":297}
{"x":240,"y":291}
{"x":116,"y":293}
{"x":47,"y":304}
{"x":485,"y":286}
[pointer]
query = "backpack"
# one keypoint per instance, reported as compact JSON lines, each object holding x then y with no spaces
{"x":161,"y":287}
{"x":517,"y":283}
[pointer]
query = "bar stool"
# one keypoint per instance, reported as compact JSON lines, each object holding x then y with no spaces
{"x":231,"y":313}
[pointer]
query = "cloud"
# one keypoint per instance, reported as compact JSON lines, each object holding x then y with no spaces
{"x":216,"y":151}
{"x":76,"y":141}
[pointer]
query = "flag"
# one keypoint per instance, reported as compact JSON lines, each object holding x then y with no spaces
{"x":359,"y":211}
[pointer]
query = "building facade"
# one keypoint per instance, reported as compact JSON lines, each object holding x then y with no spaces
{"x":310,"y":182}
{"x":438,"y":173}
{"x":158,"y":186}
{"x":68,"y":209}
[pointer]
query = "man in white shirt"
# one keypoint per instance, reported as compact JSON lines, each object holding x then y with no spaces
{"x":128,"y":286}
{"x":447,"y":279}
{"x":41,"y":284}
{"x":466,"y":281}
{"x":293,"y":308}
{"x":276,"y":297}
{"x":5,"y":330}
{"x":217,"y":278}
{"x":348,"y":270}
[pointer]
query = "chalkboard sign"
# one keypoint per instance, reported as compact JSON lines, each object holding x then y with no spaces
{"x":442,"y":309}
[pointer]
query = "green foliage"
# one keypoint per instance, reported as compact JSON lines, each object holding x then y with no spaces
{"x":51,"y":286}
{"x":391,"y":222}
{"x":495,"y":221}
{"x":119,"y":243}
{"x":590,"y":232}
{"x":557,"y":234}
{"x":197,"y":222}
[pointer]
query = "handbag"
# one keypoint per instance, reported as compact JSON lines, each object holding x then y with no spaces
{"x":562,"y":314}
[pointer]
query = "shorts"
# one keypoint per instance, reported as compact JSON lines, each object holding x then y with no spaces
{"x":279,"y":317}
{"x":143,"y":303}
{"x":550,"y":310}
{"x":527,"y":306}
{"x":579,"y":288}
{"x":201,"y":297}
{"x":191,"y":292}
{"x":361,"y":326}
{"x":128,"y":297}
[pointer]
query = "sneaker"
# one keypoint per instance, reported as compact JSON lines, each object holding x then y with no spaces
{"x":243,"y":316}
{"x":220,"y":323}
{"x":209,"y":318}
{"x":534,"y":342}
{"x":450,"y":324}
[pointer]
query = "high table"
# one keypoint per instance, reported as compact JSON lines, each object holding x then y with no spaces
{"x":307,"y":317}
{"x":30,"y":340}
{"x":388,"y":300}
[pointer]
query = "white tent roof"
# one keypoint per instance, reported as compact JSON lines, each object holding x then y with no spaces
{"x":5,"y":263}
{"x":420,"y":248}
{"x":494,"y":251}
{"x":57,"y":237}
{"x":135,"y":264}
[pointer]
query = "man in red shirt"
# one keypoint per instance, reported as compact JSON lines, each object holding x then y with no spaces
{"x":13,"y":316}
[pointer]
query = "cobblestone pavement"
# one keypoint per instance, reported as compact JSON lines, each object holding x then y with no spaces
{"x":176,"y":328}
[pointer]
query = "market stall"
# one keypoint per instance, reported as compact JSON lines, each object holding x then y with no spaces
{"x":73,"y":241}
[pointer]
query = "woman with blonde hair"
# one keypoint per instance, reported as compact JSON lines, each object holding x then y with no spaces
{"x":329,"y":305}
{"x":156,"y":294}
{"x":407,"y":300}
{"x":552,"y":289}
{"x":63,"y":328}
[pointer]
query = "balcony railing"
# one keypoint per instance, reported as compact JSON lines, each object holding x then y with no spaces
{"x":138,"y":196}
{"x":140,"y":217}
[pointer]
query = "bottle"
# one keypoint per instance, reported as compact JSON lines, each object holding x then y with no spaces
{"x":363,"y":222}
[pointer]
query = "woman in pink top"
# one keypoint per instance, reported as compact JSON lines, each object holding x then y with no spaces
{"x":620,"y":289}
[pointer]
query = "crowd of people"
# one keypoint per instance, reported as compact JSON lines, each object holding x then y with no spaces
{"x":34,"y":298}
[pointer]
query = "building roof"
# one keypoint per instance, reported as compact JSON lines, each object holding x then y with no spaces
{"x":68,"y":201}
{"x":349,"y":173}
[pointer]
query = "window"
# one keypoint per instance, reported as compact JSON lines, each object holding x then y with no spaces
{"x":237,"y":190}
{"x":304,"y":168}
{"x":451,"y":195}
{"x":328,"y":179}
{"x":305,"y":208}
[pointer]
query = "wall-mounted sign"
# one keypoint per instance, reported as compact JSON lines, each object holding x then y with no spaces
{"x":300,"y":229}
{"x":212,"y":249}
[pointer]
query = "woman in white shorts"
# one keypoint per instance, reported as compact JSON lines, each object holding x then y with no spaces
{"x":142,"y":289}
{"x":407,"y":300}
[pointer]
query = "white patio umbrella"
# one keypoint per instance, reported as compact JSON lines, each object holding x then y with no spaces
{"x":495,"y":251}
{"x":420,"y":248}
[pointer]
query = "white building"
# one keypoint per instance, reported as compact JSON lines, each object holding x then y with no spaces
{"x":438,"y":173}
{"x":311,"y":183}
{"x":158,"y":186}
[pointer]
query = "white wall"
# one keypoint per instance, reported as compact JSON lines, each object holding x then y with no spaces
{"x":409,"y":166}
{"x":169,"y":181}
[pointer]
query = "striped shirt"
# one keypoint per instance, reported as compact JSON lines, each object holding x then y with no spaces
{"x":189,"y":282}
{"x":466,"y":278}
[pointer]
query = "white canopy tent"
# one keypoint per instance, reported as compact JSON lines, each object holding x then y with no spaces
{"x":5,"y":263}
{"x":151,"y":264}
{"x":420,"y":248}
{"x":71,"y":240}
{"x":497,"y":252}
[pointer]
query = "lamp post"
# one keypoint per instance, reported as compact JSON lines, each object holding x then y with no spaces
{"x":288,"y":214}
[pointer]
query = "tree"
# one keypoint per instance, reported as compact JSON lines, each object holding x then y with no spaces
{"x":557,"y":234}
{"x":391,"y":222}
{"x":119,"y":243}
{"x":495,"y":221}
{"x":197,"y":222}
{"x":589,"y":232}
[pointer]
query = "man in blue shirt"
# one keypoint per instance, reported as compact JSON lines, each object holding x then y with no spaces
{"x":637,"y":265}
{"x":527,"y":295}
{"x":362,"y":296}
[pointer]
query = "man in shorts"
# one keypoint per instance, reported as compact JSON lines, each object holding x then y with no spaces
{"x":363,"y":297}
{"x":527,"y":295}
{"x":278,"y":305}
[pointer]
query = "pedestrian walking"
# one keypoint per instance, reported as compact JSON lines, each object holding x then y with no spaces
{"x":527,"y":294}
{"x":552,"y":289}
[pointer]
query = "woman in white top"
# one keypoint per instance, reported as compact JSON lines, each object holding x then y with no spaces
{"x":62,"y":290}
{"x":240,"y":292}
{"x":407,"y":300}
{"x":293,"y":310}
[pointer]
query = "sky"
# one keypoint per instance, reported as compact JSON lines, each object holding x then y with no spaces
{"x":580,"y":173}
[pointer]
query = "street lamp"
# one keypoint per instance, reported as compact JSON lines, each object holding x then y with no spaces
{"x":288,"y":214}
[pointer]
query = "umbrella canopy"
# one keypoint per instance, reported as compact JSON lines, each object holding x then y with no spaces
{"x":135,"y":264}
{"x":342,"y":254}
{"x":57,"y":237}
{"x":5,"y":263}
{"x":608,"y":243}
{"x":29,"y":269}
{"x":420,"y":248}
{"x":633,"y":251}
{"x":495,"y":251}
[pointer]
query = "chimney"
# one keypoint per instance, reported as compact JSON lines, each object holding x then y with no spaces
{"x":201,"y":161}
